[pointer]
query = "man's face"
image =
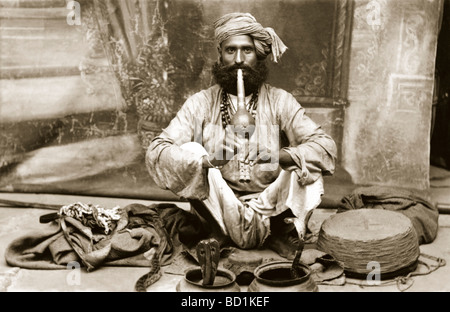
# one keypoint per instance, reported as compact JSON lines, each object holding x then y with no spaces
{"x":238,"y":50}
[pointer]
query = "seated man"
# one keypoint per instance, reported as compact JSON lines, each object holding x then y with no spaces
{"x":199,"y":156}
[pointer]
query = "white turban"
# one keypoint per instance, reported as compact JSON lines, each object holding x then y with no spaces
{"x":265,"y":39}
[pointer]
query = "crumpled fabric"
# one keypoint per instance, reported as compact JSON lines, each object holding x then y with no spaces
{"x":92,"y":215}
{"x":67,"y":240}
{"x":422,"y":213}
{"x":265,"y":39}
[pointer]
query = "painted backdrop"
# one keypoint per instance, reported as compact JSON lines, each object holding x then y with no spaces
{"x":80,"y":103}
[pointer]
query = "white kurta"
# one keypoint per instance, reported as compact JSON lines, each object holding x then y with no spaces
{"x":280,"y":123}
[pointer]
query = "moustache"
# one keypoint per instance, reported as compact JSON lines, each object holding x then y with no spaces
{"x":246,"y":70}
{"x":226,"y":76}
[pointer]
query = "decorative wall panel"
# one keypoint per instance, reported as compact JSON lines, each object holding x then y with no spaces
{"x":387,"y":124}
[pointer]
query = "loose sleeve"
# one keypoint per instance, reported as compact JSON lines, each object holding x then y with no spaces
{"x":174,"y":168}
{"x":313,"y":151}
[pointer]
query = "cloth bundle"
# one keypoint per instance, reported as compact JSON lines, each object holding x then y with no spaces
{"x":129,"y":243}
{"x":423,"y":214}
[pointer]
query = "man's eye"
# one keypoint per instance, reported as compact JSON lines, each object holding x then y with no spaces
{"x":230,"y":50}
{"x":248,"y":50}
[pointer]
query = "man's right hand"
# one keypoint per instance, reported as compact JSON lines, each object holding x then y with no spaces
{"x":224,"y":150}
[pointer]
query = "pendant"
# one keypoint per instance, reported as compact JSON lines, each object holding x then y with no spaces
{"x":244,"y":171}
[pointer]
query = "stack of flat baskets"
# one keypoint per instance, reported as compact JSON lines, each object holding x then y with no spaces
{"x":365,"y":239}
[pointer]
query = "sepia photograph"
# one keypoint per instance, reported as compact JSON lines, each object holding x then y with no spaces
{"x":227,"y":152}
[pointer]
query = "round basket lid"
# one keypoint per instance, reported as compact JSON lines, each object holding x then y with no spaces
{"x":364,"y":237}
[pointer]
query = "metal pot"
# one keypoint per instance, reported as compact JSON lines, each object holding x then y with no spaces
{"x":276,"y":277}
{"x":225,"y":281}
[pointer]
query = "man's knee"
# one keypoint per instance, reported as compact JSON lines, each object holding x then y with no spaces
{"x":194,"y":147}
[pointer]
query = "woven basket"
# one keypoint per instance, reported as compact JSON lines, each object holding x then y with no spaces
{"x":358,"y":237}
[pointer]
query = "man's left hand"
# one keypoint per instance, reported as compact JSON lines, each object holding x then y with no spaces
{"x":259,"y":154}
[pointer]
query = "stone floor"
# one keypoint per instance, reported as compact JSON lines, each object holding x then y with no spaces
{"x":15,"y":222}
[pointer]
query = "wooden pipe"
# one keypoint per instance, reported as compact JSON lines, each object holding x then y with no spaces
{"x":244,"y":126}
{"x":242,"y":120}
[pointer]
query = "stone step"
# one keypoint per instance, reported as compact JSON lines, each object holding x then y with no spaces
{"x":32,"y":3}
{"x":34,"y":13}
{"x":55,"y":97}
{"x":39,"y":49}
{"x":32,"y":23}
{"x":56,"y":47}
{"x":52,"y":29}
{"x":19,"y":72}
{"x":77,"y":160}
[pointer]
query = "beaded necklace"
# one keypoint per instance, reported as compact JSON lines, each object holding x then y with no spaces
{"x":226,"y":107}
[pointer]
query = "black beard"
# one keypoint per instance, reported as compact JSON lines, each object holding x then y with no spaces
{"x":254,"y":77}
